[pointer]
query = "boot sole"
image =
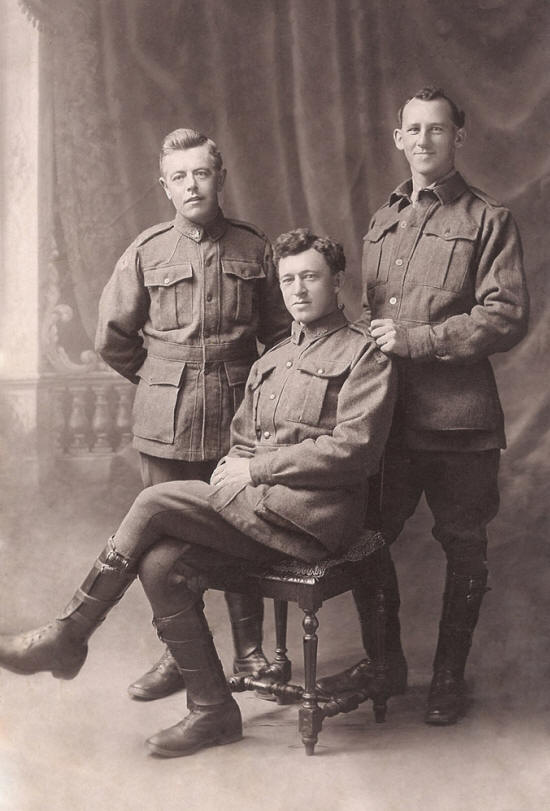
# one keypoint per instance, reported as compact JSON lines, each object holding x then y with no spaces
{"x":144,"y":695}
{"x":161,"y":752}
{"x":66,"y":675}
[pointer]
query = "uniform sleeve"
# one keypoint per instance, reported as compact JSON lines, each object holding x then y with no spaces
{"x":243,"y":437}
{"x":366,"y":314}
{"x":356,"y":445}
{"x":123,"y":310}
{"x":498,"y":320}
{"x":274,"y":318}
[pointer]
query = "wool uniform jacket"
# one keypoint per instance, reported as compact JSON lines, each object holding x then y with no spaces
{"x":181,"y":316}
{"x":314,"y":422}
{"x":449,"y":270}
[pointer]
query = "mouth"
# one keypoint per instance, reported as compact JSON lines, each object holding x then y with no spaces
{"x":193,"y":200}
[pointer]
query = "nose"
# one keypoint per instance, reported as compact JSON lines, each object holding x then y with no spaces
{"x":423,"y":138}
{"x":298,"y":286}
{"x":191,"y":183}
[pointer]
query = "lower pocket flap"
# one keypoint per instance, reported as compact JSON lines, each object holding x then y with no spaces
{"x":237,"y":372}
{"x":161,"y":372}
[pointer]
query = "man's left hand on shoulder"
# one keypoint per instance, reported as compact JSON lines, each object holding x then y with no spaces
{"x":390,"y":337}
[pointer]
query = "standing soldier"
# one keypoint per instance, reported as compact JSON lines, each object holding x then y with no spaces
{"x":181,"y":316}
{"x":445,"y":289}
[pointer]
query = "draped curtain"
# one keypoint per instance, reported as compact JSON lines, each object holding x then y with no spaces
{"x":301,"y":97}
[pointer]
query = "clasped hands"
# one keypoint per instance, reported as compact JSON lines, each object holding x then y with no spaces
{"x":231,"y":469}
{"x":390,"y":337}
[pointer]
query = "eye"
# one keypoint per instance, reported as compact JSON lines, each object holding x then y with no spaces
{"x":201,"y":174}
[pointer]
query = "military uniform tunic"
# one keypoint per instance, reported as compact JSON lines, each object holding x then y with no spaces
{"x":314,"y":423}
{"x":180,"y":316}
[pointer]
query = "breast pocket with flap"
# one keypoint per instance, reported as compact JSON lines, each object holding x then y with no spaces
{"x":171,"y":292}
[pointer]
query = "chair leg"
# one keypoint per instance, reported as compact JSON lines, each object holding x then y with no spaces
{"x":281,"y":661}
{"x":310,"y":716}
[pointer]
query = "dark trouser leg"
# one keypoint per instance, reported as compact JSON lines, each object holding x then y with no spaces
{"x":462,"y":493}
{"x":399,"y":492}
{"x":246,"y":613}
{"x":61,"y":645}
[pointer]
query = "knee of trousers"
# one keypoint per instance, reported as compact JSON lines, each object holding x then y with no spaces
{"x":468,"y":559}
{"x":162,"y":572}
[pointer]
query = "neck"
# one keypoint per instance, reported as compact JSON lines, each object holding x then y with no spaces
{"x":423,"y":181}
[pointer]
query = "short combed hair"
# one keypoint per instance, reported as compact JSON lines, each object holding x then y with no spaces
{"x":431,"y":94}
{"x":302,"y":239}
{"x":187,"y":139}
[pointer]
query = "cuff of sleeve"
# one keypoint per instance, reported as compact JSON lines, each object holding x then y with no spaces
{"x":260,"y":472}
{"x":420,"y":341}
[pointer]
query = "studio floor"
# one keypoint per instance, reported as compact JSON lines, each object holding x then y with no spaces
{"x":79,"y":745}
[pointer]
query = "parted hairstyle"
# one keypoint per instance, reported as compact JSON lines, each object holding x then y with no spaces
{"x":302,"y":239}
{"x":431,"y":94}
{"x":187,"y":139}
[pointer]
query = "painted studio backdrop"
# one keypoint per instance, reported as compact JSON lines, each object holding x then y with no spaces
{"x":301,"y":97}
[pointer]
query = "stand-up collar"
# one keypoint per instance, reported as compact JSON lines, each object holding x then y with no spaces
{"x":446,"y":190}
{"x":213,"y":230}
{"x":328,"y":323}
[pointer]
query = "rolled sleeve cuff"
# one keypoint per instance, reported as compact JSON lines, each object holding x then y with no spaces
{"x":421,"y":343}
{"x":260,"y":469}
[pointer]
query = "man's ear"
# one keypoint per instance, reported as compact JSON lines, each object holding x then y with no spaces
{"x":460,"y":137}
{"x":221,"y":178}
{"x":398,"y":139}
{"x":164,"y":185}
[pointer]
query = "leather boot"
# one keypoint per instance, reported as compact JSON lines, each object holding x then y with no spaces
{"x":246,"y":614}
{"x":247,"y":617}
{"x":61,"y":646}
{"x":214,"y":717}
{"x":163,"y":679}
{"x":360,"y":676}
{"x":461,"y":604}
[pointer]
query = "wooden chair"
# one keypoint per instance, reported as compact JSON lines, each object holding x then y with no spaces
{"x":309,"y":586}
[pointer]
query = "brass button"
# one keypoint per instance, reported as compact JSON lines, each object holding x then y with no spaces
{"x":403,"y":224}
{"x":167,"y":280}
{"x":209,"y":297}
{"x":393,"y":300}
{"x":267,"y":434}
{"x":320,"y":371}
{"x":271,"y":396}
{"x":399,"y":262}
{"x":288,"y":364}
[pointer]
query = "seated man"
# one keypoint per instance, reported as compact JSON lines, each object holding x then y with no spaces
{"x":310,"y":431}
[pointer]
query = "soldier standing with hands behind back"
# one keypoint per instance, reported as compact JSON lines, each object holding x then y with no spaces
{"x":200,"y":290}
{"x":444,"y":286}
